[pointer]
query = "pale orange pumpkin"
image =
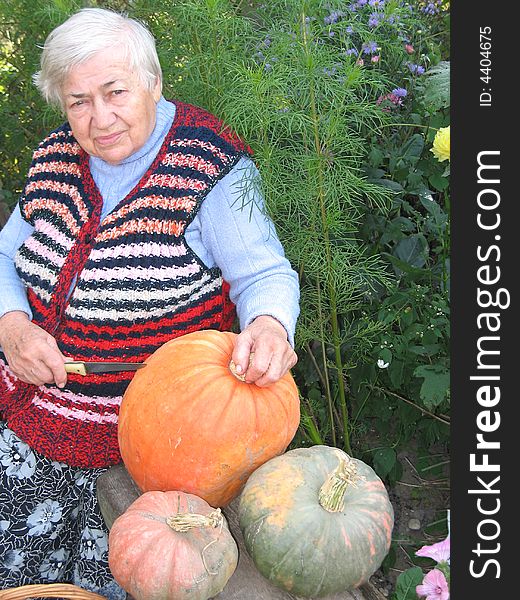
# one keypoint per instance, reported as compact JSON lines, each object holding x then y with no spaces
{"x":187,"y":423}
{"x":171,"y":546}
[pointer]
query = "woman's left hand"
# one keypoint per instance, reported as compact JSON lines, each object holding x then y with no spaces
{"x":272,"y":355}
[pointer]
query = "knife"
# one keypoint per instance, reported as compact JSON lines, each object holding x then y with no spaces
{"x":81,"y":367}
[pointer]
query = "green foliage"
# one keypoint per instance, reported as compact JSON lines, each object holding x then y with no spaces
{"x":406,"y":584}
{"x":23,"y":116}
{"x":300,"y":102}
{"x":409,"y":371}
{"x":435,"y":88}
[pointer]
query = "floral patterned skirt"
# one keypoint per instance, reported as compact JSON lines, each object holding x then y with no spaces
{"x":51,"y":528}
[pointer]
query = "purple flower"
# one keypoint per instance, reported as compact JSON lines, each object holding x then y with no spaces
{"x":350,"y":52}
{"x":376,"y":2}
{"x":373,"y":20}
{"x":432,"y":8}
{"x":328,"y":71}
{"x":334,"y":17}
{"x":415,"y":69}
{"x":400,"y":92}
{"x":349,"y":29}
{"x":369,"y":48}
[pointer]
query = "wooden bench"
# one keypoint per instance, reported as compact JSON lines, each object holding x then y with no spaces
{"x":116,"y":491}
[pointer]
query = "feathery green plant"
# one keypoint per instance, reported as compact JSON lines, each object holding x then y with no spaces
{"x":302,"y":105}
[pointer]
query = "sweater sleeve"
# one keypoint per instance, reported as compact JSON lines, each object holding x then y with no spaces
{"x":242,"y":241}
{"x":13,"y":296}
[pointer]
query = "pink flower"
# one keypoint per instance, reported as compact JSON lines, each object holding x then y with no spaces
{"x":389,"y":101}
{"x":375,"y":58}
{"x":409,"y":48}
{"x":434,"y":586}
{"x":440,"y":552}
{"x":360,"y":62}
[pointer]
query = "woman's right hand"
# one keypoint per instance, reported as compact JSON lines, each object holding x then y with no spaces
{"x":32,"y":353}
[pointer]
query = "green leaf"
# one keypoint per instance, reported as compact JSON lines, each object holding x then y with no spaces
{"x":438,"y":181}
{"x":395,"y":372}
{"x":420,"y":350}
{"x":408,"y":415}
{"x":407,"y":582}
{"x":421,"y":190}
{"x":413,"y":250}
{"x":388,"y":183}
{"x":411,"y":151}
{"x":432,"y":207}
{"x":404,"y":223}
{"x":385,"y":354}
{"x":384,"y":461}
{"x":389,"y":560}
{"x":373,"y":174}
{"x":429,"y":337}
{"x":407,"y":316}
{"x":435,"y":385}
{"x":375,"y":156}
{"x":415,"y":179}
{"x":435,"y":86}
{"x":403,"y":266}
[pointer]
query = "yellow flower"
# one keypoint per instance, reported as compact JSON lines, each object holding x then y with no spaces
{"x":441,"y":144}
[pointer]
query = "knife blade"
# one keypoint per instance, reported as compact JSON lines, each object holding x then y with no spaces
{"x":83,"y":367}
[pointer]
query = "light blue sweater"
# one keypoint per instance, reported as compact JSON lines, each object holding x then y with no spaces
{"x":230,"y":231}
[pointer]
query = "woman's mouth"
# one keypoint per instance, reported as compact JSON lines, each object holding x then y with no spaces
{"x":108,"y":140}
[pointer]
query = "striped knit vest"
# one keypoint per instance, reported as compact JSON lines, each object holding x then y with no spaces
{"x":136,"y":283}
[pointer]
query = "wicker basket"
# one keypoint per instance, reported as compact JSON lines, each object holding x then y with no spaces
{"x":49,"y":590}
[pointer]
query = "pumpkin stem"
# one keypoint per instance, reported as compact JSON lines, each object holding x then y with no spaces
{"x":233,"y":368}
{"x":185,"y":521}
{"x":332,"y":493}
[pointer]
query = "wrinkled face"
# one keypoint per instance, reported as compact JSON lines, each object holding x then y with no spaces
{"x":110,"y":112}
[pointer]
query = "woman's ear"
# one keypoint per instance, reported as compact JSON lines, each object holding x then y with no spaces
{"x":157,"y":90}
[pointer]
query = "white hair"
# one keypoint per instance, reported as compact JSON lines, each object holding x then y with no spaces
{"x":83,"y":35}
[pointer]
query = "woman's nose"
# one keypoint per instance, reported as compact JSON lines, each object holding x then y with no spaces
{"x":103,"y":117}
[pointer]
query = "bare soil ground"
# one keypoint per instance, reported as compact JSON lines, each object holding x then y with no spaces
{"x":420,"y":499}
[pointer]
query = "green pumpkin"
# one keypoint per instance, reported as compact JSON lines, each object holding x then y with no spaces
{"x":316,"y":521}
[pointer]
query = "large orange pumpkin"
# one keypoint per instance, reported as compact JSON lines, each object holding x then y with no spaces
{"x":187,"y":423}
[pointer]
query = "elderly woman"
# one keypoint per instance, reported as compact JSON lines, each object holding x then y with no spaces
{"x":130,"y":231}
